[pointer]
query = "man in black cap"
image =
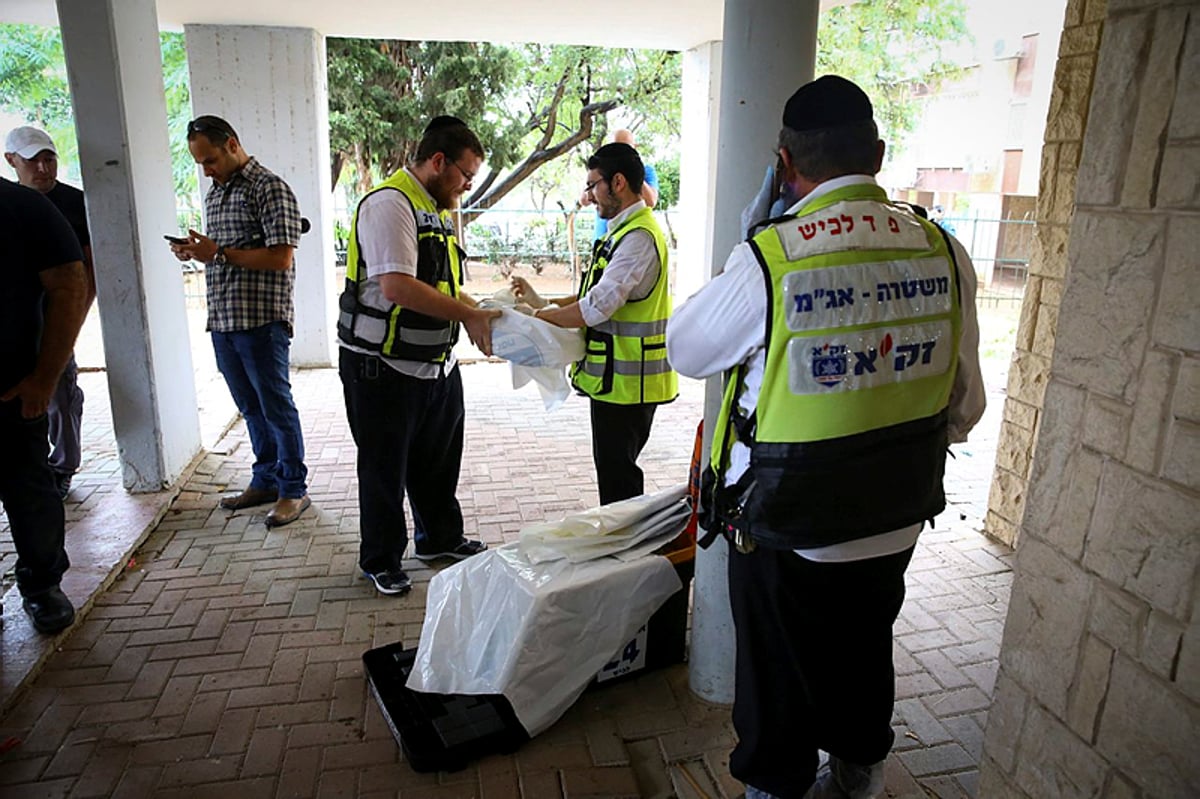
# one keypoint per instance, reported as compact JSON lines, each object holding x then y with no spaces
{"x":847,"y":329}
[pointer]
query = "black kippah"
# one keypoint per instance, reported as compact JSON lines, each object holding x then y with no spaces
{"x":827,"y":102}
{"x":437,"y":123}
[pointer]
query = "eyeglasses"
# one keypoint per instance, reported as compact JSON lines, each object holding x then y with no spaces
{"x":591,"y":187}
{"x":468,"y":176}
{"x":207,"y":125}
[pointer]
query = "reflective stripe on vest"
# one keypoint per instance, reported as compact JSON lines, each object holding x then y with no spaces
{"x":626,"y":355}
{"x":401,"y":332}
{"x":862,"y":345}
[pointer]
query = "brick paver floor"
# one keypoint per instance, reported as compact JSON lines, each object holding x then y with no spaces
{"x":224,"y":660}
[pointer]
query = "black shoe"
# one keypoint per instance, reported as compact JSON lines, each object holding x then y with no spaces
{"x":50,"y":610}
{"x":62,"y":481}
{"x":392,"y":583}
{"x":464,"y":550}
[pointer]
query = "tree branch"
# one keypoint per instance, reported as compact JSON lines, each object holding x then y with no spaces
{"x":479,"y":202}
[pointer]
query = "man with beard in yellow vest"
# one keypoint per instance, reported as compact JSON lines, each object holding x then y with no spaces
{"x":846,"y":331}
{"x":399,"y":319}
{"x":623,"y":305}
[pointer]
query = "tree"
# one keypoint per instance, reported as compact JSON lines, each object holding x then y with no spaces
{"x":382,"y":92}
{"x":668,"y":182}
{"x":530,"y":104}
{"x":570,"y":92}
{"x":33,"y":85}
{"x":895,"y":50}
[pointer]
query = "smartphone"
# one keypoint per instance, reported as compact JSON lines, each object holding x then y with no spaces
{"x":177,"y":241}
{"x":777,"y":187}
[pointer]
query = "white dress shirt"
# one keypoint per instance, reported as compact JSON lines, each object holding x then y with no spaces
{"x":723,"y":325}
{"x":387,"y":240}
{"x":631,"y":274}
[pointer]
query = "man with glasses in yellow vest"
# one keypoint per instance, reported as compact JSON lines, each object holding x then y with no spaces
{"x":400,"y":316}
{"x":623,"y":305}
{"x":847,"y":334}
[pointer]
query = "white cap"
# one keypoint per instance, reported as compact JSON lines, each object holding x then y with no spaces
{"x":28,"y":142}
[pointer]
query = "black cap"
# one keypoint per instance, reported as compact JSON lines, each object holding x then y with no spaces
{"x":438,"y":123}
{"x":827,"y":102}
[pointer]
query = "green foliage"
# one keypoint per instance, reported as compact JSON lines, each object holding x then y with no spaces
{"x":895,"y":50}
{"x":383,"y":92}
{"x":530,"y":104}
{"x":668,"y":182}
{"x":179,"y":112}
{"x":33,"y":84}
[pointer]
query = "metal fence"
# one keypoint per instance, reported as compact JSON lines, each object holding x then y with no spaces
{"x":537,"y":239}
{"x":1000,"y":250}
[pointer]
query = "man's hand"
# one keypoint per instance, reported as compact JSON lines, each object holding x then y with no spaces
{"x":526,"y":293}
{"x":479,"y":328}
{"x":179,"y":253}
{"x":760,"y":207}
{"x":34,"y":396}
{"x":199,"y":247}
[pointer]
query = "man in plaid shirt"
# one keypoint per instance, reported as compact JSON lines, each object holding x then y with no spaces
{"x":254,"y":225}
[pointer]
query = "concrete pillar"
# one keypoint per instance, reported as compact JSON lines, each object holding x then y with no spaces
{"x":697,"y":167}
{"x":769,"y":50}
{"x":270,"y":84}
{"x":114,"y":66}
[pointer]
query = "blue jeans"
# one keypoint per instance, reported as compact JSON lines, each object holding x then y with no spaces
{"x":255,"y":366}
{"x":66,"y":421}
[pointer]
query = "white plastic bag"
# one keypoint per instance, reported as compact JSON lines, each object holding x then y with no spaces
{"x":608,"y":529}
{"x":535,"y":633}
{"x":527,"y":341}
{"x":538,"y":351}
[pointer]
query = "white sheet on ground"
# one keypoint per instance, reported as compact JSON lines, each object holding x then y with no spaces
{"x":497,"y":623}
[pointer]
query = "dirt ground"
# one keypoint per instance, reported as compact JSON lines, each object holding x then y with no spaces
{"x":483,"y":280}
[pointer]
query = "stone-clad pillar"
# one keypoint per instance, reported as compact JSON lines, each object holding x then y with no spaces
{"x":1065,"y":126}
{"x":1098,"y":692}
{"x":271,"y":84}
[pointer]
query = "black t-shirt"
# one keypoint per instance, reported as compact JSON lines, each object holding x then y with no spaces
{"x":34,"y":236}
{"x":69,"y":200}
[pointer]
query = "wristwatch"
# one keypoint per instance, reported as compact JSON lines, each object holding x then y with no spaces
{"x":219,"y":259}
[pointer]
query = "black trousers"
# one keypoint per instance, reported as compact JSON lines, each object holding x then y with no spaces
{"x":814,"y":663}
{"x":30,"y":497}
{"x":619,"y":432}
{"x":409,"y":434}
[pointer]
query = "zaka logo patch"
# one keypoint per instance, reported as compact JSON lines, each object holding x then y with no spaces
{"x":829,"y":364}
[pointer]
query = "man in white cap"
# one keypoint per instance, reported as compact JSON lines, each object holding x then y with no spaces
{"x":32,"y":155}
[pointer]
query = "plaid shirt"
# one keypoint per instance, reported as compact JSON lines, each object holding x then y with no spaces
{"x":254,"y":209}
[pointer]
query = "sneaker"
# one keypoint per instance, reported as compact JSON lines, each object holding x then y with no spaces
{"x":841,"y":779}
{"x":755,"y":793}
{"x":464,"y":550}
{"x":62,"y":481}
{"x":392,"y":583}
